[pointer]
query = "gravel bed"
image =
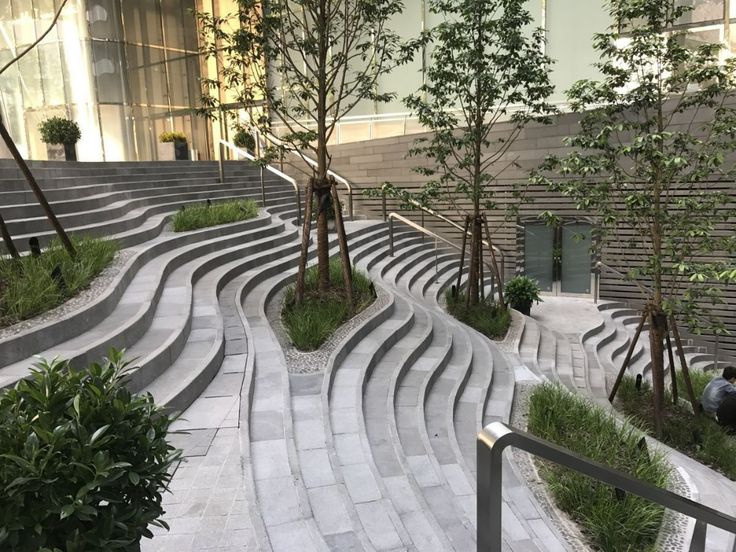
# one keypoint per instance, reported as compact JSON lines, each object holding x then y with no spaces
{"x":298,"y":362}
{"x":86,"y":296}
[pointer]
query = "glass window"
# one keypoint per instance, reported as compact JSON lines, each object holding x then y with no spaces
{"x":106,"y":69}
{"x":104,"y":19}
{"x":178,"y":78}
{"x":52,"y":76}
{"x":142,"y":22}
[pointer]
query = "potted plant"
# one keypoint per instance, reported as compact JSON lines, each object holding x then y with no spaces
{"x":173,"y":147}
{"x":521,"y":292}
{"x":244,"y":139}
{"x":60,"y":136}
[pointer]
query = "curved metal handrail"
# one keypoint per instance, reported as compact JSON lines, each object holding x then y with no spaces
{"x":342,"y":180}
{"x":496,"y":437}
{"x":452,"y":223}
{"x":269,"y":168}
{"x":420,"y":228}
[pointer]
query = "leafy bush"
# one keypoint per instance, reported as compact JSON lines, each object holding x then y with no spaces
{"x":58,"y":130}
{"x":244,"y":139}
{"x":84,"y":463}
{"x":521,"y":291}
{"x":701,"y":437}
{"x":166,"y":137}
{"x":202,"y":216}
{"x":488,"y":317}
{"x":316,"y":319}
{"x":698,"y":378}
{"x":27,"y":287}
{"x":612,"y":523}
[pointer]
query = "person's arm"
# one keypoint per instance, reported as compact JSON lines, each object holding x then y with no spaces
{"x":730,"y":389}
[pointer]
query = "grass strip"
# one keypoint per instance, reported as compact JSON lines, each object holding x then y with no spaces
{"x":487,"y":316}
{"x":27,"y":287}
{"x":612,"y":521}
{"x":701,"y":437}
{"x":312,"y":323}
{"x":203,"y":215}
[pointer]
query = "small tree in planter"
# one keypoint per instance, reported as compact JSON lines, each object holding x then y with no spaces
{"x":521,"y":292}
{"x":60,"y":135}
{"x":244,"y":139}
{"x":84,"y":462}
{"x":173,"y":147}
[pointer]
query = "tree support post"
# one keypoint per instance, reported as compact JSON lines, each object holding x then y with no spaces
{"x":66,"y":242}
{"x":684,"y":367}
{"x":462,"y":258}
{"x":671,"y":359}
{"x":497,"y":274}
{"x":347,"y":272}
{"x":8,"y":239}
{"x":629,"y":354}
{"x":306,"y":227}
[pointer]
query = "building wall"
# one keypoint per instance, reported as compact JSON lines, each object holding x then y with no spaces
{"x":124,"y":70}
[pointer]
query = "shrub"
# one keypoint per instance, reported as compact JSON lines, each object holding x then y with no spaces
{"x":488,"y":317}
{"x":312,"y":323}
{"x":58,"y":130}
{"x":202,"y":216}
{"x":701,"y":437}
{"x":166,"y":137}
{"x":244,"y":139}
{"x":611,"y":522}
{"x":698,"y":378}
{"x":84,"y":462}
{"x":27,"y":287}
{"x":521,"y":292}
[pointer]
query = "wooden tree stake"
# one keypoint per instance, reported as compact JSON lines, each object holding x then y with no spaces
{"x":494,"y":264}
{"x":306,"y":228}
{"x":671,"y":358}
{"x":684,"y":367}
{"x":629,"y":354}
{"x":347,"y":271}
{"x":462,"y":257}
{"x":8,"y":239}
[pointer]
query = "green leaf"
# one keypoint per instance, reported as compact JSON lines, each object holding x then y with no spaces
{"x":99,"y":433}
{"x":134,"y":478}
{"x":66,"y":511}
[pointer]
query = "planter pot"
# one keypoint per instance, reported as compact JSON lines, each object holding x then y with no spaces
{"x":61,"y":152}
{"x":173,"y":151}
{"x":524,"y":308}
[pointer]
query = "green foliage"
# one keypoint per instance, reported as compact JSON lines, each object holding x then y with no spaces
{"x":488,"y":317}
{"x":698,"y":378}
{"x":611,"y":523}
{"x":485,"y":60}
{"x":316,"y":319}
{"x":244,"y":139}
{"x":522,"y":290}
{"x":202,"y":216}
{"x":656,"y":131}
{"x":167,"y":137}
{"x":57,"y":130}
{"x":26,"y":285}
{"x":701,"y":438}
{"x":84,"y":462}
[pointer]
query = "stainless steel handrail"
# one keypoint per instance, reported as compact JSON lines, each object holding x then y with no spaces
{"x":342,"y":180}
{"x":269,"y":168}
{"x":391,"y":216}
{"x":496,"y":437}
{"x":452,"y":223}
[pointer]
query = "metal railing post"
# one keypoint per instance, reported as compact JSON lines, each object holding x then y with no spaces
{"x":489,"y":499}
{"x":298,"y":207}
{"x":423,"y":226}
{"x":391,"y":237}
{"x":263,"y":189}
{"x":350,"y":204}
{"x":596,"y":285}
{"x":435,"y":258}
{"x":383,"y":204}
{"x":221,"y":164}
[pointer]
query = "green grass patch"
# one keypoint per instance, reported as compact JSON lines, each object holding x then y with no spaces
{"x":310,"y":324}
{"x":203,"y":216}
{"x":699,"y":380}
{"x":701,"y":437}
{"x":26,"y":285}
{"x":612,"y":523}
{"x":487,"y":316}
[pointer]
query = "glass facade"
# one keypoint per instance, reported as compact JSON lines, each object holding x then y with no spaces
{"x":124,"y":70}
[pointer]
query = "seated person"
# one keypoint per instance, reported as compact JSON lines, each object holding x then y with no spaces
{"x":727,"y":413}
{"x":718,"y":389}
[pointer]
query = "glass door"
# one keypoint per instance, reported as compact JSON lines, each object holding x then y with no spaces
{"x":539,"y":254}
{"x":575,"y":258}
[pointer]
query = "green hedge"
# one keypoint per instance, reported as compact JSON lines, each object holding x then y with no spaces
{"x":488,"y":317}
{"x":203,"y":216}
{"x":612,"y":523}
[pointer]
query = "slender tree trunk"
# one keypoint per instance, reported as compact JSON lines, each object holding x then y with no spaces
{"x":496,"y":271}
{"x":306,"y":228}
{"x":657,"y":328}
{"x":462,"y":258}
{"x":8,"y":239}
{"x":66,"y":242}
{"x":323,"y":236}
{"x":472,"y":294}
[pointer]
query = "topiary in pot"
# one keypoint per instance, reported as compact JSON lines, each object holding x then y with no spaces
{"x":83,"y":462}
{"x":244,"y":139}
{"x":173,"y":146}
{"x":58,"y":131}
{"x":521,"y":292}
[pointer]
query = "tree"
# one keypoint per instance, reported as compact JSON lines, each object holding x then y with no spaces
{"x":485,"y":70}
{"x":654,"y":135}
{"x":311,"y":62}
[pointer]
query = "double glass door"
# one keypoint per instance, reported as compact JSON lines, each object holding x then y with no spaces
{"x":559,"y":257}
